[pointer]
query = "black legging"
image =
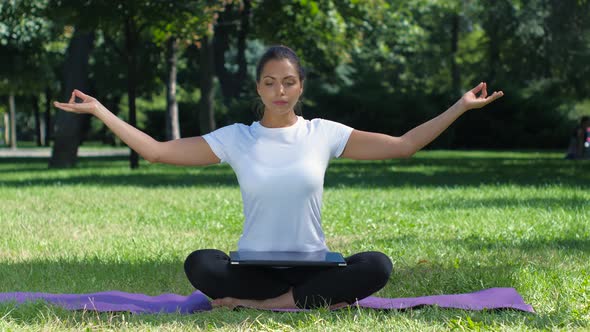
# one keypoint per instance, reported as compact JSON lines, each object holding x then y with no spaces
{"x":210,"y":271}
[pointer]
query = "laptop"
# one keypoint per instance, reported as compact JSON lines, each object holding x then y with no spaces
{"x":286,"y":258}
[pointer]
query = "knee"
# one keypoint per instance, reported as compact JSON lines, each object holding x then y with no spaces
{"x":200,"y":265}
{"x":377,"y":265}
{"x":382,"y":267}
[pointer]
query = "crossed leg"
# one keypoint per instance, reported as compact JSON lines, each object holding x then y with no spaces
{"x":210,"y":271}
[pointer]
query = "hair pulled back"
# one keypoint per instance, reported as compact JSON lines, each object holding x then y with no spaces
{"x":278,"y":52}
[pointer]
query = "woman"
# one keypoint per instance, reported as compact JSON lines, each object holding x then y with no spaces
{"x":280,"y":163}
{"x":579,"y":140}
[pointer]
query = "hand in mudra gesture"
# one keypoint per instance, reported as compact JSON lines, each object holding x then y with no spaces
{"x":89,"y":104}
{"x":471,"y":100}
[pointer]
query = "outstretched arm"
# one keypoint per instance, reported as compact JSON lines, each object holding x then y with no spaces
{"x":363,"y":145}
{"x":184,"y":151}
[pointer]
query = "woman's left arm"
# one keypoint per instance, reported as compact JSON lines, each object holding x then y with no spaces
{"x":363,"y":145}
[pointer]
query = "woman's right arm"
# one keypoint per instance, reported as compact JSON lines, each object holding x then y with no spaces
{"x":184,"y":151}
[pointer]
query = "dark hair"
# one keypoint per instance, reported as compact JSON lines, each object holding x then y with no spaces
{"x":584,"y":119}
{"x":278,"y":52}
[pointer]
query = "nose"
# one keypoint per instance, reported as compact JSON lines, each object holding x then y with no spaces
{"x":281,"y":89}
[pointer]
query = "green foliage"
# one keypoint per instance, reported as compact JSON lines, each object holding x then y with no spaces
{"x":405,"y":78}
{"x":30,"y":46}
{"x":22,"y":23}
{"x":377,"y":65}
{"x":109,"y":67}
{"x":334,"y":28}
{"x":187,"y":20}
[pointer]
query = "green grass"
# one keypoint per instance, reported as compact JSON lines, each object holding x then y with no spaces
{"x":452,"y":222}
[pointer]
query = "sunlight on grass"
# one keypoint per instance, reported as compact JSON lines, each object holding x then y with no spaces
{"x":452,"y":222}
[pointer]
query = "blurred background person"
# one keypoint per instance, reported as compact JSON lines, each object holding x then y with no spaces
{"x":579,"y":145}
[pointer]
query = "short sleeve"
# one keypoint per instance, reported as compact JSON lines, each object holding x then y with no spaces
{"x":221,"y":141}
{"x":337,"y":135}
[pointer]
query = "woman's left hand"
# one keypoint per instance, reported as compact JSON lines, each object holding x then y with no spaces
{"x":471,"y":100}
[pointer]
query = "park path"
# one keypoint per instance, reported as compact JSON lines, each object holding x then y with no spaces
{"x":46,"y":152}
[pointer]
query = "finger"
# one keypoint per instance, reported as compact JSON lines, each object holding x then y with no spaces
{"x":81,"y":94}
{"x":64,"y":106}
{"x":76,"y":107}
{"x":496,"y":95}
{"x":72,"y":98}
{"x":484,"y":92}
{"x":477,"y":88}
{"x":490,"y":98}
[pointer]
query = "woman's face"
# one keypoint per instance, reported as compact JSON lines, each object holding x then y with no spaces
{"x":279,"y":86}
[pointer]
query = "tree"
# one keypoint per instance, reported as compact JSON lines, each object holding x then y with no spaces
{"x":28,"y":52}
{"x":172,"y":125}
{"x":178,"y":24}
{"x":232,"y":26}
{"x":138,"y":20}
{"x":12,"y":128}
{"x":69,"y":127}
{"x":324,"y":33}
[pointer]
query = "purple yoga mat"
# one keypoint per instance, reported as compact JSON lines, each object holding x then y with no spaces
{"x":493,"y":298}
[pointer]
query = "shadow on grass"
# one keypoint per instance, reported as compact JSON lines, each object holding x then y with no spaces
{"x":534,"y":251}
{"x":420,"y":172}
{"x":464,"y":171}
{"x":571,"y":245}
{"x":156,"y":277}
{"x":549,"y":203}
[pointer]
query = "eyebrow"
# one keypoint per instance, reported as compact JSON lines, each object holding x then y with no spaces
{"x":274,"y":78}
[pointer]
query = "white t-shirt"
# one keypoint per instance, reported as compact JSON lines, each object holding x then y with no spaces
{"x":281,"y":176}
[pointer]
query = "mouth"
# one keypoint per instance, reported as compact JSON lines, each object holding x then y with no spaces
{"x":280,"y":102}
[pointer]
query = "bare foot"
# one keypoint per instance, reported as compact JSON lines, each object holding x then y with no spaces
{"x":338,"y":305}
{"x":226,"y":302}
{"x":231,"y":303}
{"x":284,"y":301}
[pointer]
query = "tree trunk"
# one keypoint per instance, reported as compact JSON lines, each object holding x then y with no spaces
{"x":207,"y":115}
{"x":220,"y":44}
{"x":6,"y":128}
{"x":242,"y":37}
{"x":447,"y":138}
{"x":39,"y":125}
{"x":47,"y":121}
{"x":231,"y":83}
{"x":12,"y":110}
{"x":68,"y":131}
{"x":172,"y":126}
{"x":108,"y":137}
{"x":494,"y":54}
{"x":130,"y":49}
{"x":456,"y":74}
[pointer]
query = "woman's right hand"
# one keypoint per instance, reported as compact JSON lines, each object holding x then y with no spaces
{"x":184,"y":151}
{"x":89,"y":105}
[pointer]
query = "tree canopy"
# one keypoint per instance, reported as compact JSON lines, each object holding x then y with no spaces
{"x":381,"y":65}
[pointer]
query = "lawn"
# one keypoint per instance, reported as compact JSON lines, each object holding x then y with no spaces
{"x":452,"y":222}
